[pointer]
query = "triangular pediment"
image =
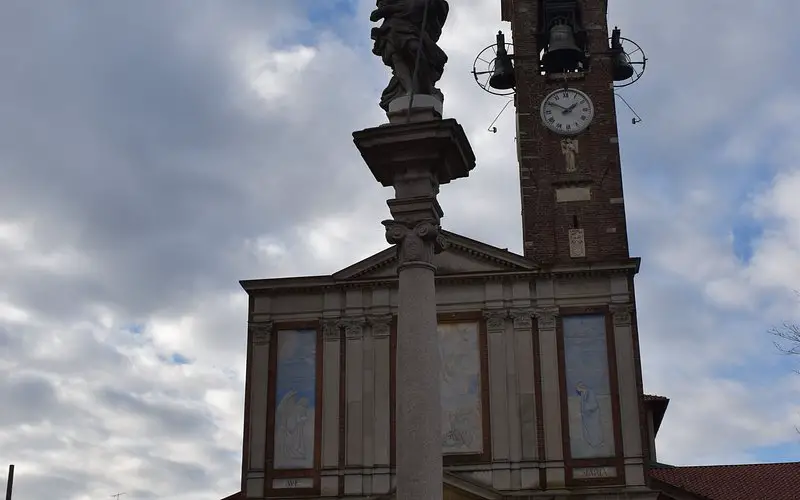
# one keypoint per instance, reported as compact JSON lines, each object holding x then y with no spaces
{"x":461,"y":256}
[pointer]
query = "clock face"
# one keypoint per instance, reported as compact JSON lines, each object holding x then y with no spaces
{"x":567,"y":111}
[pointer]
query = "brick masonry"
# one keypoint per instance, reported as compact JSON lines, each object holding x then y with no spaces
{"x":546,"y":222}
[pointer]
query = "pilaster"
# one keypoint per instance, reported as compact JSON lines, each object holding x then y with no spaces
{"x":523,"y":352}
{"x":496,"y":326}
{"x":260,"y":335}
{"x":629,"y":397}
{"x":331,"y":351}
{"x":380,"y":332}
{"x":354,"y":396}
{"x":551,"y":395}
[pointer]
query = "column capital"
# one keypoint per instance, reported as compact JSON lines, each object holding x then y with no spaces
{"x":546,"y":317}
{"x":260,"y":332}
{"x":523,"y":318}
{"x":495,"y":319}
{"x":331,"y":329}
{"x":353,"y":327}
{"x":622,"y":313}
{"x":380,"y":325}
{"x":417,"y":241}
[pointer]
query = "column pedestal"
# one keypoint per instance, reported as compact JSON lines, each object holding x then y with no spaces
{"x":416,"y":153}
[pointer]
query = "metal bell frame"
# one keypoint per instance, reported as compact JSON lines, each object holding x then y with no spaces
{"x":489,"y":61}
{"x":639,"y":61}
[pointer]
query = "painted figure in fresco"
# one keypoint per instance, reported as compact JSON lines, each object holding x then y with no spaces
{"x":398,"y":39}
{"x":292,"y":416}
{"x":590,"y":416}
{"x":460,"y":394}
{"x":458,"y":429}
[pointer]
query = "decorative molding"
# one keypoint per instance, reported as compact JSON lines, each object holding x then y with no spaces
{"x":523,"y":318}
{"x":381,"y":326}
{"x":331,"y":329}
{"x":546,"y":317}
{"x":353,"y":327}
{"x":495,"y":319}
{"x":417,"y":242}
{"x":626,"y":267}
{"x":260,"y":332}
{"x":622,"y":314}
{"x":577,"y":243}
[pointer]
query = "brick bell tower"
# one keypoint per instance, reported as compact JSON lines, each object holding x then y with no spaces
{"x":566,"y":65}
{"x":569,"y":159}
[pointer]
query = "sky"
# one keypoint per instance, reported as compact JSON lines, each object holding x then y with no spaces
{"x":154,"y":153}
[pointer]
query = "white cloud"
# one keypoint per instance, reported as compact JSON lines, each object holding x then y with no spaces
{"x":146,"y":174}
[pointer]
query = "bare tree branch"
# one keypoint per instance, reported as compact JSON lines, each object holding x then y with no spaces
{"x":789,"y":335}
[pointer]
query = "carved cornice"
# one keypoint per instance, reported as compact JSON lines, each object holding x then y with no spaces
{"x":260,"y":333}
{"x":284,"y":285}
{"x":546,"y":317}
{"x":495,"y":319}
{"x":622,"y":314}
{"x":522,"y":318}
{"x":381,"y":326}
{"x":331,"y":329}
{"x":353,"y":327}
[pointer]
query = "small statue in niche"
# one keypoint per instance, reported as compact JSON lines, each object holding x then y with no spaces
{"x":570,"y":149}
{"x":398,"y":40}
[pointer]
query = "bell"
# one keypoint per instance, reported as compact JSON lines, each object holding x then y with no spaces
{"x":563,"y":53}
{"x":622,"y":68}
{"x":503,"y":77}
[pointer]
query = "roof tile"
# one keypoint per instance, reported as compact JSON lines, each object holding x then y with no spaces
{"x":779,"y":481}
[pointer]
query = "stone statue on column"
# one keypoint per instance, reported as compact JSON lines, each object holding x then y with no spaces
{"x":406,"y":46}
{"x":415,"y":153}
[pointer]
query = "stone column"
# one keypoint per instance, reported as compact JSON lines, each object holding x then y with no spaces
{"x":419,"y":434}
{"x":415,"y":157}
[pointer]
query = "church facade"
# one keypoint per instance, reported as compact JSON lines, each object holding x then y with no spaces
{"x":512,"y":335}
{"x":541,"y":376}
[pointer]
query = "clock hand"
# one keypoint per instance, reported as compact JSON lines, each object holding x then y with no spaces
{"x":556,"y":105}
{"x":569,"y":109}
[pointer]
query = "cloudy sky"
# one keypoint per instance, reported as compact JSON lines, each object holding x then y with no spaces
{"x":153,"y":153}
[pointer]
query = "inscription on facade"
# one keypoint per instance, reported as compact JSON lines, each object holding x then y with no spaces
{"x":299,"y":482}
{"x":594,"y":472}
